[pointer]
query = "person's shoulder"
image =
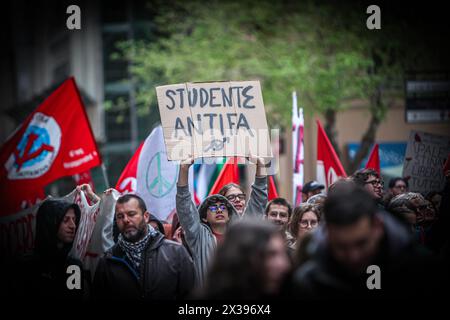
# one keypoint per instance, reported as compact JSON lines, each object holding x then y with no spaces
{"x":306,"y":271}
{"x":170,"y":243}
{"x":114,"y":251}
{"x":173,"y":247}
{"x":71,"y":261}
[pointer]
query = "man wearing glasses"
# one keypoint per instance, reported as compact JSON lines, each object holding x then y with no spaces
{"x":257,"y":201}
{"x":370,"y":180}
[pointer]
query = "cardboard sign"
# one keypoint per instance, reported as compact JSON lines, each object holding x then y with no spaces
{"x":424,"y":160}
{"x":214,"y":119}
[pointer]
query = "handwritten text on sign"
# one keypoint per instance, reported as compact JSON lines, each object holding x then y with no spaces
{"x":424,"y":160}
{"x":214,"y":119}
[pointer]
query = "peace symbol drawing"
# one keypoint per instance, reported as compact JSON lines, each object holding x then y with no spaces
{"x":160,"y":178}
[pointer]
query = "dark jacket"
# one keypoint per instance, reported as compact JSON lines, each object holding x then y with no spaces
{"x":440,"y":240}
{"x":44,"y":274}
{"x":158,"y":222}
{"x":407,"y":270}
{"x":167,"y":273}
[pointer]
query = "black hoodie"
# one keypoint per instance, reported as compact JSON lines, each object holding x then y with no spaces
{"x":43,"y":274}
{"x":48,"y":219}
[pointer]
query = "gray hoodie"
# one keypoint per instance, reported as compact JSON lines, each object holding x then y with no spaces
{"x":199,"y":236}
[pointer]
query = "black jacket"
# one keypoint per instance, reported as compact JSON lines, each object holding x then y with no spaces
{"x":166,"y":273}
{"x":407,"y":270}
{"x":44,"y":273}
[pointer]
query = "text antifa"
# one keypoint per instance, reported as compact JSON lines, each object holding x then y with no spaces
{"x":214,"y":119}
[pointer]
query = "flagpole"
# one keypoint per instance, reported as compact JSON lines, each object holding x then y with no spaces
{"x":294,"y":142}
{"x":105,"y":176}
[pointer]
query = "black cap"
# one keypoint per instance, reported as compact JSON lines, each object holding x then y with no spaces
{"x":311,"y":186}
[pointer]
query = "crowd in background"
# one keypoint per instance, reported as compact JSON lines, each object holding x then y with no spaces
{"x":239,"y":246}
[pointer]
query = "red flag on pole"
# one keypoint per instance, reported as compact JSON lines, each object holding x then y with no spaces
{"x":272,"y":189}
{"x":56,"y":140}
{"x":329,"y":168}
{"x":127,"y":181}
{"x":374,"y":159}
{"x":229,"y":174}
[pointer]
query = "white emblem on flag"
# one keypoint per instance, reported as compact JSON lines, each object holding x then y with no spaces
{"x":36,"y":151}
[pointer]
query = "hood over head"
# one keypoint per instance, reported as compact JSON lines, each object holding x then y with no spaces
{"x":48,"y":219}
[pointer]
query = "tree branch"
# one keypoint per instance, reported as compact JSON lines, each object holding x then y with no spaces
{"x":369,"y":136}
{"x":330,"y":129}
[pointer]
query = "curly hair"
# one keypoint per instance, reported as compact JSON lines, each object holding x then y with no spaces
{"x":404,"y":200}
{"x":361,"y":176}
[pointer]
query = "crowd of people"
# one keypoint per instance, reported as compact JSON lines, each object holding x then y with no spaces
{"x":238,"y":246}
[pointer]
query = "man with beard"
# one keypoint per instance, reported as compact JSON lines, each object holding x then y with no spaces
{"x":143,"y":264}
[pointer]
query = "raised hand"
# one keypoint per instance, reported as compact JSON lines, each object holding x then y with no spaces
{"x":86,"y":188}
{"x":183,"y":177}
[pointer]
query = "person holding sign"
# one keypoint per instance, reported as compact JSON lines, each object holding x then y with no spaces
{"x":203,"y":227}
{"x":214,"y":119}
{"x":256,"y":204}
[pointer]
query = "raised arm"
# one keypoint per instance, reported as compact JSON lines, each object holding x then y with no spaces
{"x":86,"y":188}
{"x":258,"y":196}
{"x":187,"y":211}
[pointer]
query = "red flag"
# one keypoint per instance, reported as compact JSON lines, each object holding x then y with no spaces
{"x":272,"y":189}
{"x":83,"y":177}
{"x":374,"y":159}
{"x":127,"y":181}
{"x":229,"y":174}
{"x":329,"y":168}
{"x":56,"y":140}
{"x":196,"y":199}
{"x":32,"y":199}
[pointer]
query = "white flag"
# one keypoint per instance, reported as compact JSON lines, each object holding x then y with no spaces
{"x":297,"y":151}
{"x":157,"y":177}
